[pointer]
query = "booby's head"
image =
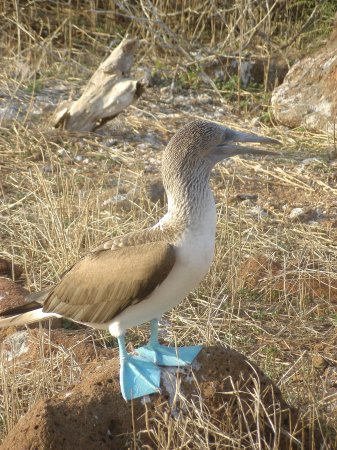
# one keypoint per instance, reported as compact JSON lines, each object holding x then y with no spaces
{"x":198,"y":146}
{"x":209,"y":143}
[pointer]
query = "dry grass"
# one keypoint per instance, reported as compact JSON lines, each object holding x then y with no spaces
{"x":272,"y":290}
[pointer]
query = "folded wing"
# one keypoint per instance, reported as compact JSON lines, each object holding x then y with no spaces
{"x":105,"y":282}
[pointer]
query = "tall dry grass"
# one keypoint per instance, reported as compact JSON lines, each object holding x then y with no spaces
{"x":275,"y":24}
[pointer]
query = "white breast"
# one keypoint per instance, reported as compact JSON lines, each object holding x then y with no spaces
{"x":195,"y":251}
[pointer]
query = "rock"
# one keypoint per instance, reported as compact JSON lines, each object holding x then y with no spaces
{"x":15,"y":345}
{"x":224,"y":387}
{"x":118,"y":198}
{"x":245,"y":196}
{"x":306,"y":215}
{"x":296,"y":213}
{"x":8,"y":114}
{"x":312,"y":162}
{"x":9,"y":270}
{"x":307,"y":96}
{"x":47,"y":168}
{"x":257,"y":70}
{"x":257,"y":212}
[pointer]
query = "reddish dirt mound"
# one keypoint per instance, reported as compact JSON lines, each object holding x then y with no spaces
{"x":222,"y":384}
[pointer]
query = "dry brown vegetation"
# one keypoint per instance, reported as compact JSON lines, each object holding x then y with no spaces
{"x":272,"y":290}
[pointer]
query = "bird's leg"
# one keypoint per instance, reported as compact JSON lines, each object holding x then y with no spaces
{"x":166,"y":356}
{"x":154,"y":325}
{"x":138,"y":376}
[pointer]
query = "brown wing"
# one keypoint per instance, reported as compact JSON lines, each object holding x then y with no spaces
{"x":105,"y":282}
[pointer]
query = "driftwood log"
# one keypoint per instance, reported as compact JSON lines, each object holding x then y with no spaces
{"x":108,"y":92}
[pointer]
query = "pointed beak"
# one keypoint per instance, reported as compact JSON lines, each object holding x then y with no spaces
{"x":230,"y":148}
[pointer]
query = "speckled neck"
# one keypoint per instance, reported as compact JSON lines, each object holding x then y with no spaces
{"x":187,"y":197}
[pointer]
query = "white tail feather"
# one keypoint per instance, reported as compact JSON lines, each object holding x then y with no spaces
{"x":26,"y":318}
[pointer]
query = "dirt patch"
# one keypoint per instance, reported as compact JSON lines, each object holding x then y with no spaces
{"x":223,"y":387}
{"x":262,"y":273}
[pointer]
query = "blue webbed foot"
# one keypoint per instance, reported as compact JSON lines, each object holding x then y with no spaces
{"x":138,"y":377}
{"x":168,"y":356}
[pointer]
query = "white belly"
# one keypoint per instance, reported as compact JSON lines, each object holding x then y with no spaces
{"x":195,"y":252}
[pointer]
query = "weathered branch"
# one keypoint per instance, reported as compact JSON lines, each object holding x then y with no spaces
{"x":108,"y":92}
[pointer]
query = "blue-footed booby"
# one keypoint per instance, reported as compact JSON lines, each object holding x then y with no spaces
{"x":136,"y":278}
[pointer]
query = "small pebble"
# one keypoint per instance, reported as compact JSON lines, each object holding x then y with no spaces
{"x":296,"y":212}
